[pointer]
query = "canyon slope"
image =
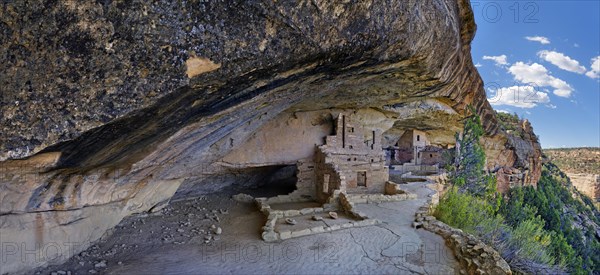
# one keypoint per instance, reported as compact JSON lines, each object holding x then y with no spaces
{"x":113,"y":107}
{"x":582,"y":166}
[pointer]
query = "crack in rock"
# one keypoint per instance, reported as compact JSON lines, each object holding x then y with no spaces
{"x":361,"y":247}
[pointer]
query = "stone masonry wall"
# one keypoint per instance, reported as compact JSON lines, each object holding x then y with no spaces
{"x":326,"y":170}
{"x":305,"y":179}
{"x":352,"y":153}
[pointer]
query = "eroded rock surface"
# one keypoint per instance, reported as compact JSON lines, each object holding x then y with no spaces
{"x":582,"y":166}
{"x":102,"y":60}
{"x":515,"y":159}
{"x":588,"y":184}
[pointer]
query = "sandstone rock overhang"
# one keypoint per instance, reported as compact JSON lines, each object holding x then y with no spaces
{"x":125,"y":101}
{"x":120,"y":66}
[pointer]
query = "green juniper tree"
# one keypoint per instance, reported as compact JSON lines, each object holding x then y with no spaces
{"x":469,"y":174}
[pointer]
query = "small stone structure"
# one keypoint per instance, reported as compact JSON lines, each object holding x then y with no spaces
{"x":410,"y":144}
{"x":430,"y":155}
{"x":348,"y":169}
{"x":349,"y":162}
{"x":474,"y":255}
{"x":414,"y":149}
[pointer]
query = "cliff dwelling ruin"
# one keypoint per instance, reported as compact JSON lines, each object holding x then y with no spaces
{"x":346,"y":169}
{"x":413,"y":151}
{"x":150,"y":118}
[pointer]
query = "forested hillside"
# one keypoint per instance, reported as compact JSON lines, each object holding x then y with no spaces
{"x":551,"y":229}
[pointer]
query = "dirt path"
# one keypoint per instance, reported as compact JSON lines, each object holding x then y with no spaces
{"x":177,"y":242}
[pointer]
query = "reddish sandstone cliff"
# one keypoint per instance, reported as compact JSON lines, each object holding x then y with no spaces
{"x":514,"y":155}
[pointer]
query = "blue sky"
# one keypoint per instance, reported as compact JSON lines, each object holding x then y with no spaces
{"x":539,"y":63}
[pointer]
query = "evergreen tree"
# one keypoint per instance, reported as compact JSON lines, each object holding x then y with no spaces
{"x":469,"y":174}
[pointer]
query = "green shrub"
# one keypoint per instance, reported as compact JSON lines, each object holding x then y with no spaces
{"x":531,"y":240}
{"x":561,"y":250}
{"x":462,"y":210}
{"x":475,"y":215}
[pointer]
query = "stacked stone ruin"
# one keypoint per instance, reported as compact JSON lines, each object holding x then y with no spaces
{"x":348,"y":169}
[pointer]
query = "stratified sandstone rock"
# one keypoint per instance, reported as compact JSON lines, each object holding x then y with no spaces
{"x":104,"y":59}
{"x":516,"y":160}
{"x":588,"y":184}
{"x":582,"y":166}
{"x":118,"y":103}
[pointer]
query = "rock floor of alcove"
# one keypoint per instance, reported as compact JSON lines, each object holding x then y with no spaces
{"x":176,"y":241}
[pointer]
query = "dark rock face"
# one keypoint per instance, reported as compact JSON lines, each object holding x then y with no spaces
{"x":115,"y":104}
{"x":68,"y":68}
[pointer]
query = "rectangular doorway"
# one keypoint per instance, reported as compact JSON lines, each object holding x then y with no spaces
{"x":361,"y":178}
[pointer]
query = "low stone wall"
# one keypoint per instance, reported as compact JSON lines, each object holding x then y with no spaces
{"x":409,"y":167}
{"x":338,"y":201}
{"x":286,"y":199}
{"x":395,"y":193}
{"x":270,"y":235}
{"x":475,"y":256}
{"x":348,"y":205}
{"x":379,"y":198}
{"x":392,"y":188}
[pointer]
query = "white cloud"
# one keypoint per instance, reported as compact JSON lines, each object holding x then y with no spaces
{"x":500,"y":59}
{"x":503,"y":111}
{"x":541,"y":39}
{"x":478,"y":65}
{"x":576,"y":45}
{"x":562,"y":61}
{"x":518,"y":96}
{"x":536,"y":74}
{"x":551,"y":106}
{"x":595,"y":69}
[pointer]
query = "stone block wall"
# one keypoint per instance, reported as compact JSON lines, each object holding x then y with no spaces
{"x":509,"y":177}
{"x":474,"y":255}
{"x":305,"y":180}
{"x":403,"y":155}
{"x":376,"y":175}
{"x":431,"y":158}
{"x":327,"y":177}
{"x":270,"y":234}
{"x":351,"y":153}
{"x":409,"y":167}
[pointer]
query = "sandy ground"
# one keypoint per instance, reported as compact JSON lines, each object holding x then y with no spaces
{"x":183,"y":239}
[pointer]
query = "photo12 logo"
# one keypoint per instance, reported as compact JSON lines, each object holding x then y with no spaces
{"x":515,"y":11}
{"x":293,"y":252}
{"x":323,"y":251}
{"x":50,"y":252}
{"x":517,"y":95}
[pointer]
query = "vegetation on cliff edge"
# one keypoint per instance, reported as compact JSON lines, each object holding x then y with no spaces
{"x":511,"y":124}
{"x":535,"y":230}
